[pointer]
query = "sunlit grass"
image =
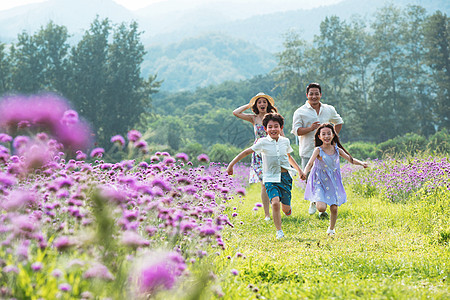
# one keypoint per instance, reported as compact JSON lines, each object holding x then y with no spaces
{"x":380,"y":251}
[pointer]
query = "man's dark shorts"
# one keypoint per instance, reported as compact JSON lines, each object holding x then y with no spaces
{"x":280,"y":189}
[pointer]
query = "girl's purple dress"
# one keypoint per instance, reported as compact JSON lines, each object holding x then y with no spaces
{"x":325,"y":181}
{"x":256,"y":167}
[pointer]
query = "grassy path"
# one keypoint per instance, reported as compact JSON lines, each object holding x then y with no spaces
{"x":377,"y":253}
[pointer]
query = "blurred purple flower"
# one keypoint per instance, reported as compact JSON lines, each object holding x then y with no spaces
{"x":258,"y":204}
{"x":18,"y":199}
{"x":48,"y":112}
{"x":7,"y":180}
{"x":133,"y":239}
{"x":4,"y":138}
{"x":203,"y":158}
{"x":81,"y":155}
{"x":20,"y":141}
{"x":98,"y":271}
{"x":11,"y":268}
{"x":97,"y":152}
{"x":182,"y":156}
{"x":63,"y":243}
{"x":70,"y":117}
{"x":37,"y":266}
{"x":160,"y":272}
{"x":65,"y":287}
{"x":118,"y":139}
{"x":134,"y":135}
{"x":234,"y":272}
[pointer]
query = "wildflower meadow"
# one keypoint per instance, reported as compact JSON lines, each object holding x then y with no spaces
{"x":78,"y":224}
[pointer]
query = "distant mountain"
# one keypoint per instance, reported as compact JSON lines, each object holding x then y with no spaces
{"x":75,"y":15}
{"x":206,"y":60}
{"x":197,"y":43}
{"x":265,"y":31}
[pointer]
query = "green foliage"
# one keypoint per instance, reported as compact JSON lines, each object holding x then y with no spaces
{"x":410,"y":143}
{"x":193,"y":150}
{"x":439,"y":142}
{"x":362,"y":150}
{"x":223,"y":153}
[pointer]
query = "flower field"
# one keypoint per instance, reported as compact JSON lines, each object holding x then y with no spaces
{"x":76,"y":224}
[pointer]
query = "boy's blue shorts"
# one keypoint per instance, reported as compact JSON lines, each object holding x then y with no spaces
{"x":280,"y":189}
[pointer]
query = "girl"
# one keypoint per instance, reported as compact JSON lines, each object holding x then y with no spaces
{"x":261,"y":104}
{"x":324,"y":184}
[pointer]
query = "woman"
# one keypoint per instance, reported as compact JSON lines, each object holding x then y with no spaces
{"x":261,"y":104}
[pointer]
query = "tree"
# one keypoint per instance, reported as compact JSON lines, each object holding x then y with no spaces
{"x":437,"y":33}
{"x":127,"y":93}
{"x":359,"y":56}
{"x":38,"y":61}
{"x":5,"y":70}
{"x":89,"y":76}
{"x":388,"y":105}
{"x":291,"y":72}
{"x":416,"y":85}
{"x":332,"y":49}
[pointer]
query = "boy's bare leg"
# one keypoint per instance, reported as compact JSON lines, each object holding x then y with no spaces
{"x":285,"y":208}
{"x":265,"y":201}
{"x":333,"y":217}
{"x":276,"y":214}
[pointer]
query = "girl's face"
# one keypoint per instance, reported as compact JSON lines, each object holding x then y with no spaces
{"x":326,"y":135}
{"x":261,"y":104}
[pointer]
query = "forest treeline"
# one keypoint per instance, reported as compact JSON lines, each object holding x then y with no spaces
{"x":387,"y":76}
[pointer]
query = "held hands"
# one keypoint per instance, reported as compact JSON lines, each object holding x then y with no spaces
{"x":364,"y":164}
{"x":302,"y":176}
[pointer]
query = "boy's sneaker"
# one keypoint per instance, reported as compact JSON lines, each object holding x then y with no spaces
{"x":312,"y":208}
{"x":323,"y":214}
{"x":280,"y":234}
{"x":267,"y":219}
{"x":289,"y":213}
{"x":330,"y":232}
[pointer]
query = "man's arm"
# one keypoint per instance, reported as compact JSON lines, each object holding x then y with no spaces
{"x":338,"y":128}
{"x":305,"y":130}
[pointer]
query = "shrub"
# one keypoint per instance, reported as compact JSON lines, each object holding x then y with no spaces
{"x":223,"y":153}
{"x":362,"y":150}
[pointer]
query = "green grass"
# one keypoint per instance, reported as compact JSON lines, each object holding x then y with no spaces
{"x":380,"y":251}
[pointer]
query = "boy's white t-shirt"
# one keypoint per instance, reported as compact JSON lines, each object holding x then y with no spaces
{"x":274,"y":157}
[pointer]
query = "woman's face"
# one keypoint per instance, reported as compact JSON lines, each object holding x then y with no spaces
{"x":262,"y":104}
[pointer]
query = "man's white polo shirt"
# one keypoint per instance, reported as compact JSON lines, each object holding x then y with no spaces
{"x":274,"y":157}
{"x":304,"y":116}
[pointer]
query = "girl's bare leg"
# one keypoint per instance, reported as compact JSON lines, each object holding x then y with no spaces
{"x":333,"y":217}
{"x":265,"y":201}
{"x":321,"y":206}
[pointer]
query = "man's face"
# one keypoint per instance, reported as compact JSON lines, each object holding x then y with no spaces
{"x":273,"y":129}
{"x":314,"y":96}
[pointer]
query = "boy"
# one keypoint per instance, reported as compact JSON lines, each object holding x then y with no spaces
{"x":277,"y":162}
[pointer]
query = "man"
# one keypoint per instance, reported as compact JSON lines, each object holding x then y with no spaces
{"x":307,"y":119}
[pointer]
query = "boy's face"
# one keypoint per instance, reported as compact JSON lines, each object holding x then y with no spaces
{"x":273,"y":129}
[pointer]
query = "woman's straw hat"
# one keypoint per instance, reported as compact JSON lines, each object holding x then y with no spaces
{"x":262,"y":95}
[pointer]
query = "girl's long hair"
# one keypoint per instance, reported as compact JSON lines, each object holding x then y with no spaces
{"x":335,"y":139}
{"x":270,"y":107}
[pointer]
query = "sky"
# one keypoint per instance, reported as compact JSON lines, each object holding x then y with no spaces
{"x":137,"y":4}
